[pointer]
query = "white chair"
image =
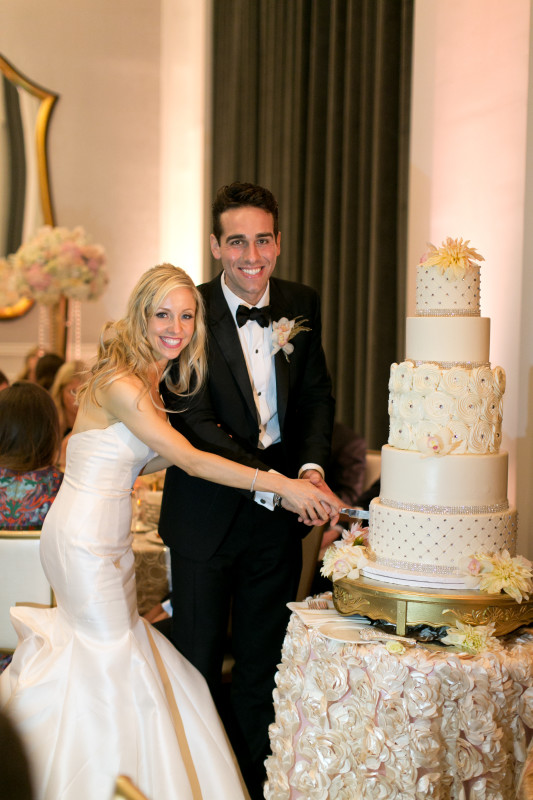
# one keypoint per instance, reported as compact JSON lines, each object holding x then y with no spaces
{"x":22,"y":579}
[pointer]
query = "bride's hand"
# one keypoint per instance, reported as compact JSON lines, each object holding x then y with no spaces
{"x":313,"y":504}
{"x":316,"y":478}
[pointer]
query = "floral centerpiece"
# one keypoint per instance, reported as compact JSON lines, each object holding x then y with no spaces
{"x":453,"y":255}
{"x":8,"y":292}
{"x":59,"y":262}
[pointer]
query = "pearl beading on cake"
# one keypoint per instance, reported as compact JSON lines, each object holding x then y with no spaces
{"x":451,"y":364}
{"x":428,"y":569}
{"x":429,"y":509}
{"x":446,"y":312}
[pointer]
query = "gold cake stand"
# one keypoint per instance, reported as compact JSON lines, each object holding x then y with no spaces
{"x":404,"y":607}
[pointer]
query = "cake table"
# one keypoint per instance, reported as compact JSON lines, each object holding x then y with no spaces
{"x":358,"y":721}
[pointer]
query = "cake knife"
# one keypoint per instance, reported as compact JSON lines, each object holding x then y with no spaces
{"x":355,"y":513}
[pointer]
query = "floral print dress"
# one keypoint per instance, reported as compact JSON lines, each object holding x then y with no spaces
{"x":26,"y":497}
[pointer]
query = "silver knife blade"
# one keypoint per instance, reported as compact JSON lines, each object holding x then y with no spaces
{"x":356,"y":513}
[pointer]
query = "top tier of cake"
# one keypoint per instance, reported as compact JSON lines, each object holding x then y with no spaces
{"x":439,"y":295}
{"x":447,"y":281}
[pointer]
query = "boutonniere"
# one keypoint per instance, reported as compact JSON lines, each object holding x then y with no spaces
{"x":282,"y":331}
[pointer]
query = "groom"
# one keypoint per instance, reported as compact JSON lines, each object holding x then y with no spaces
{"x":237,"y":554}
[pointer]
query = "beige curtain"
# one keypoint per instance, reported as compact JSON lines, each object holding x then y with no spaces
{"x":311,"y":98}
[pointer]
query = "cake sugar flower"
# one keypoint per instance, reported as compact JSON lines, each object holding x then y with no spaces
{"x":394,"y":647}
{"x":435,"y":444}
{"x":356,"y":535}
{"x":501,"y":572}
{"x":346,"y":556}
{"x":454,"y":255}
{"x":498,"y":572}
{"x":472,"y":638}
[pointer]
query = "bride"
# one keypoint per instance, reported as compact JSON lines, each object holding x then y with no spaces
{"x":93,"y":689}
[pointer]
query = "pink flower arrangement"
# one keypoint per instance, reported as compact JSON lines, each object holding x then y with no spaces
{"x":58,"y":262}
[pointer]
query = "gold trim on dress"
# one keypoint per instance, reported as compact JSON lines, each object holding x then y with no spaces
{"x":176,"y":718}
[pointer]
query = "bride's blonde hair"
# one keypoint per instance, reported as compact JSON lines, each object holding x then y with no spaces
{"x":124,"y":348}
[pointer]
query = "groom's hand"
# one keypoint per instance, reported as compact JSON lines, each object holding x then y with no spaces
{"x":316,"y":478}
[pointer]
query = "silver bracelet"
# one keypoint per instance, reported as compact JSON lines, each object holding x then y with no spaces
{"x":254,"y":480}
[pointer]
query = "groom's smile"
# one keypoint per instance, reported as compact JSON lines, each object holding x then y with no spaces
{"x":248,"y":250}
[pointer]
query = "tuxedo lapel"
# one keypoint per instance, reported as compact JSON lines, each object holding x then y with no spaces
{"x":224,"y":333}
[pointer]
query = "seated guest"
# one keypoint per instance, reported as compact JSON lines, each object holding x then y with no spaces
{"x":30,"y":362}
{"x":29,"y":443}
{"x":68,"y":379}
{"x":46,"y":369}
{"x":347,"y":464}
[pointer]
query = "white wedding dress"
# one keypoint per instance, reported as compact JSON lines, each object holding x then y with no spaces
{"x":93,"y":689}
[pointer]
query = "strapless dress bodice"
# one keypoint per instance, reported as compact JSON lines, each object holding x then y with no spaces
{"x":106,"y":459}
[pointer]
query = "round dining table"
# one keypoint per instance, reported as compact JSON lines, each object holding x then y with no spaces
{"x":152,"y":570}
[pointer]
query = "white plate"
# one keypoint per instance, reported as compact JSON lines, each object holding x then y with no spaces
{"x":154,"y":537}
{"x":357,"y":633}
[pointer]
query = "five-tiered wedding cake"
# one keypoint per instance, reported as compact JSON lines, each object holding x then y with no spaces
{"x":443,"y":478}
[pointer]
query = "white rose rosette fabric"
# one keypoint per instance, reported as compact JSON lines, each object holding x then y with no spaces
{"x":367,"y":723}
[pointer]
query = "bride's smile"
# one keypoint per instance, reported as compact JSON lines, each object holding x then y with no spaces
{"x":171,"y":327}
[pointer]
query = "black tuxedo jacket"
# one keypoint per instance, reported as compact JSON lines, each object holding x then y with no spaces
{"x":222,"y":418}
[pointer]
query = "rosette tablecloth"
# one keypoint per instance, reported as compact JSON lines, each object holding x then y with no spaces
{"x":357,"y":721}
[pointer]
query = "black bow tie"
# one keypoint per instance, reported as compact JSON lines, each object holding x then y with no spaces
{"x":260,"y":315}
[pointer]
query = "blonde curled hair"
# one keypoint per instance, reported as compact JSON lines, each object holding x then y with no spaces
{"x":124,"y":348}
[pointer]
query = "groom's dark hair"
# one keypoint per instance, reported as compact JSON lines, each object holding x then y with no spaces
{"x":236,"y":195}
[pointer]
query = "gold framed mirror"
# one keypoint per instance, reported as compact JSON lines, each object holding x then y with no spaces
{"x":25,"y":197}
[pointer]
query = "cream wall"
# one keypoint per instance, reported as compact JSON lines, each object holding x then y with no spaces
{"x":103,"y":58}
{"x":185,"y":126}
{"x":469,"y":148}
{"x":127,"y":139}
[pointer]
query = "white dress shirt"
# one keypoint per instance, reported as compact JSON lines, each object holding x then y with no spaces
{"x":256,"y":343}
